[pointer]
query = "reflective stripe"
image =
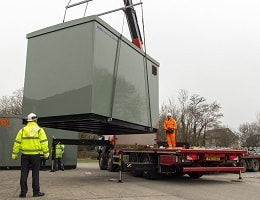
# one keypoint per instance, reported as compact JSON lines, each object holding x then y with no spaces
{"x":31,"y":149}
{"x":19,"y":142}
{"x":29,"y":138}
{"x":43,"y":141}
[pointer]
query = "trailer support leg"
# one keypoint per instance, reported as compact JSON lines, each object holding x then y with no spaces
{"x":53,"y":152}
{"x":120,"y":177}
{"x":240,"y":175}
{"x":52,"y":166}
{"x":120,"y":168}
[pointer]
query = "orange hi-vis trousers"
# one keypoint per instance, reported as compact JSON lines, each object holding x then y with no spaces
{"x":171,"y":140}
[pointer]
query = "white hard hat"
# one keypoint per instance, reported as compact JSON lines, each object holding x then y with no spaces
{"x":169,"y":114}
{"x":31,"y":117}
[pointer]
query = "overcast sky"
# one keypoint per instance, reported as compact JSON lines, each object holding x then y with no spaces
{"x":207,"y":47}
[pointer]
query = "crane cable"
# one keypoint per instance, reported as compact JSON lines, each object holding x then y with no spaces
{"x":66,"y":11}
{"x":66,"y":8}
{"x":116,"y":64}
{"x":85,"y":9}
{"x":142,"y":12}
{"x":146,"y":67}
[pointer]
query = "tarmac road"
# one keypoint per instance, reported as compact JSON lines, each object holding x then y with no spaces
{"x":88,"y":182}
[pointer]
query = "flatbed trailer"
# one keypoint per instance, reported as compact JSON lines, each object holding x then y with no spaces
{"x":153,"y":163}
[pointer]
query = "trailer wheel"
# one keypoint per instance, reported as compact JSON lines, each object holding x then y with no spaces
{"x":178,"y":174}
{"x":149,"y":174}
{"x":195,"y":175}
{"x":133,"y":157}
{"x":243,"y":164}
{"x":255,"y":164}
{"x":146,"y":174}
{"x":136,"y":173}
{"x":110,"y":166}
{"x":101,"y":162}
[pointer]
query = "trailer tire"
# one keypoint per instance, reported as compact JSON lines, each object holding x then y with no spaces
{"x":149,"y":174}
{"x":110,"y":166}
{"x":243,"y":164}
{"x":195,"y":175}
{"x":136,"y":173}
{"x":152,"y":175}
{"x":178,"y":174}
{"x":255,"y":165}
{"x":133,"y":157}
{"x":101,"y":162}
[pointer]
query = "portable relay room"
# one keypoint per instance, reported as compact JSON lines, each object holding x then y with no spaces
{"x":84,"y":76}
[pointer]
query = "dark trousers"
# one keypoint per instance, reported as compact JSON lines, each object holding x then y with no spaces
{"x":30,"y":162}
{"x":59,"y":164}
{"x":43,"y":162}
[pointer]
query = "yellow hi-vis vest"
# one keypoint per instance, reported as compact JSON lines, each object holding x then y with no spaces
{"x":59,"y":150}
{"x":31,"y":140}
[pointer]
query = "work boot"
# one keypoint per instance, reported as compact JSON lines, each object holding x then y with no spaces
{"x":38,"y":194}
{"x":22,"y":195}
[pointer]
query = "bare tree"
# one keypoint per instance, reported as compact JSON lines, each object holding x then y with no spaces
{"x":196,"y":111}
{"x":193,"y":115}
{"x":197,"y":116}
{"x":258,"y":118}
{"x":210,"y":119}
{"x":12,"y":104}
{"x":184,"y":117}
{"x":250,"y":134}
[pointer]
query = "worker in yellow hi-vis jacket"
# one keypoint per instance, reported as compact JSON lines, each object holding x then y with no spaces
{"x":31,"y":141}
{"x":59,"y":156}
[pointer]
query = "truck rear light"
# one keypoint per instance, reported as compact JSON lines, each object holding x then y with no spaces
{"x":192,"y":157}
{"x":233,"y":157}
{"x":168,"y":159}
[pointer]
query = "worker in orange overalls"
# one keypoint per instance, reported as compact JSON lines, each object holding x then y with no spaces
{"x":170,"y":126}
